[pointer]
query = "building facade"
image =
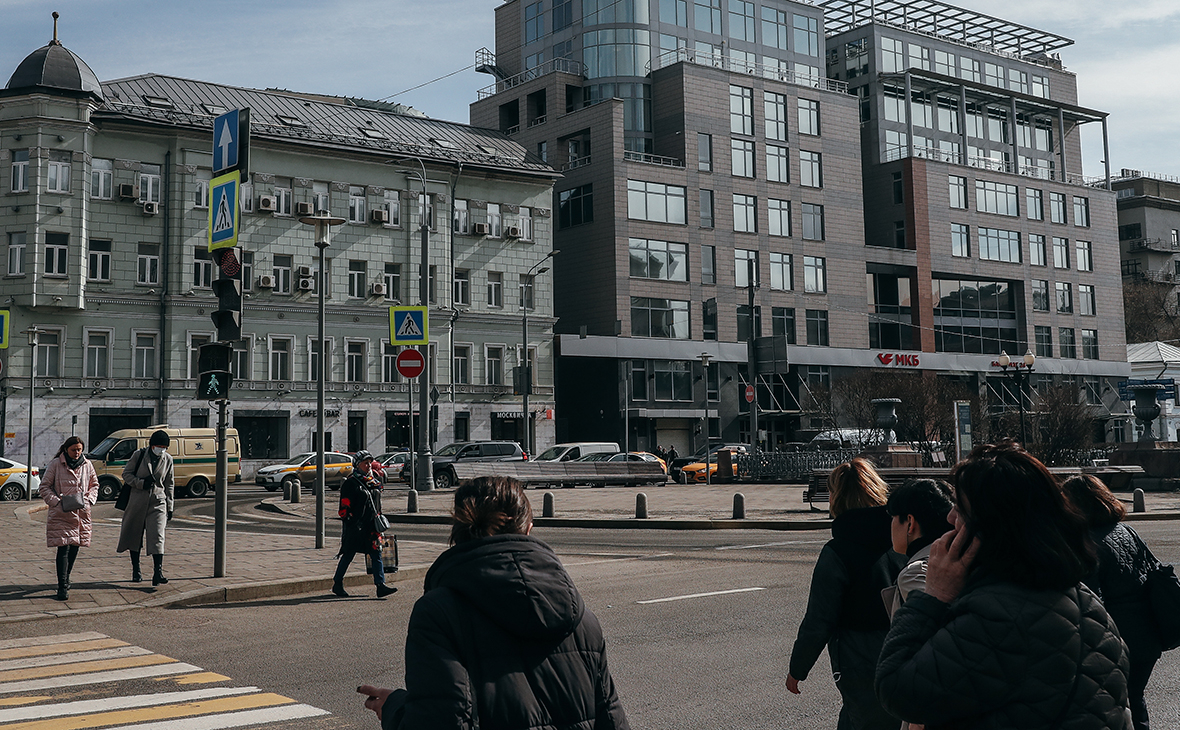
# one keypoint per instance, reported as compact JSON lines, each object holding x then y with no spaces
{"x":1149,"y":226}
{"x":106,"y":208}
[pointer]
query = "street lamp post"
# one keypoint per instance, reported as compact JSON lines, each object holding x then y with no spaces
{"x":33,"y":334}
{"x":1020,"y":373}
{"x":323,"y":232}
{"x":705,"y":358}
{"x":526,"y":366}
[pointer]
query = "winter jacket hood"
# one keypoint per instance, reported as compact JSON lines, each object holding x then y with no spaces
{"x":516,"y":581}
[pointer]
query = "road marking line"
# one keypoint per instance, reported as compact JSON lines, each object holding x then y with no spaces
{"x":81,"y":707}
{"x":46,"y":640}
{"x":701,"y":595}
{"x":11,"y":701}
{"x":267,"y":716}
{"x":85,"y":656}
{"x":617,"y":560}
{"x":85,"y":667}
{"x":69,"y":680}
{"x":63,"y":648}
{"x":198,"y":678}
{"x":207,"y":707}
{"x":768,"y":544}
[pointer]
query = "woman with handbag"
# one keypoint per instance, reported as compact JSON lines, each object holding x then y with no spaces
{"x":70,"y":487}
{"x":364,"y":526}
{"x":151,"y":497}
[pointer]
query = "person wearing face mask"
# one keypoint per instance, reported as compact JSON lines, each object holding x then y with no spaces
{"x":68,"y":526}
{"x":149,"y":507}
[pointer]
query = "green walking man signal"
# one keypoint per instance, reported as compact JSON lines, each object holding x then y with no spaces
{"x":213,"y":366}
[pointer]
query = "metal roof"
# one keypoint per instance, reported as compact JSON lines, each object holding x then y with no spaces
{"x":305,"y":120}
{"x":54,"y":66}
{"x":944,"y":20}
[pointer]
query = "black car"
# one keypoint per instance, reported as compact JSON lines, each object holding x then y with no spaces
{"x":466,"y":452}
{"x":680,"y":462}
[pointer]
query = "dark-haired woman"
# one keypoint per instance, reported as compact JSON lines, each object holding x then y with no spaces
{"x":149,"y":474}
{"x":70,"y":472}
{"x":844,"y":609}
{"x":1120,"y":581}
{"x":1005,"y":636}
{"x":501,"y":639}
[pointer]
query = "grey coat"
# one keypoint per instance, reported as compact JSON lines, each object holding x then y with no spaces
{"x":147,"y":509}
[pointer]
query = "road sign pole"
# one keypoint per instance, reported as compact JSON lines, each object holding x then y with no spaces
{"x":221,"y":514}
{"x":410,"y":428}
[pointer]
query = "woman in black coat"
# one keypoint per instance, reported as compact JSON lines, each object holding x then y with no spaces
{"x":1121,"y":582}
{"x":360,"y":502}
{"x":501,"y":640}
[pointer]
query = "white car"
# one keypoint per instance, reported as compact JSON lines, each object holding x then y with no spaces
{"x":12,"y":480}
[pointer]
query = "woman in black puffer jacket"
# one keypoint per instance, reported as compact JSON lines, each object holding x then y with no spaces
{"x":845,"y":611}
{"x":1121,"y":582}
{"x":501,"y":640}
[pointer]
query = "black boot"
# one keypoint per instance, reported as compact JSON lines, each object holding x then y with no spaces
{"x":158,"y":573}
{"x":385,"y":590}
{"x":338,"y":589}
{"x":63,"y":579}
{"x":136,"y":576}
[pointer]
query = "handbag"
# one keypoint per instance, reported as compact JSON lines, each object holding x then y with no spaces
{"x":72,"y":502}
{"x":380,"y":523}
{"x":1163,"y":594}
{"x":125,"y":490}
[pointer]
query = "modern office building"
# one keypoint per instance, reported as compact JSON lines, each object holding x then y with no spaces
{"x":105,"y":192}
{"x":904,"y":176}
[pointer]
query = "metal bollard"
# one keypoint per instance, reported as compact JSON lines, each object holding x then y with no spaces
{"x":640,"y":506}
{"x":287,"y":491}
{"x":412,"y":501}
{"x":739,"y":506}
{"x":547,"y":505}
{"x":1139,"y":505}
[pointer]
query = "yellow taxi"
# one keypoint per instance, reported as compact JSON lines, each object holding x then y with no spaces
{"x":696,"y":472}
{"x":302,"y":469}
{"x":12,"y":480}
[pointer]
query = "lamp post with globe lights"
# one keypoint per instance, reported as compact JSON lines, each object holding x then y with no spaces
{"x":1020,"y":372}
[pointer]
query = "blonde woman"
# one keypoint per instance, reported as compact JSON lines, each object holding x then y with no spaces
{"x":844,"y":610}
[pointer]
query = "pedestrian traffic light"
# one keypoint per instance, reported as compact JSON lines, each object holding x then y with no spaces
{"x":228,"y":288}
{"x":214,"y":384}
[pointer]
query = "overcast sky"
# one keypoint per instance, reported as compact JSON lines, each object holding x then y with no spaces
{"x":1126,"y":55}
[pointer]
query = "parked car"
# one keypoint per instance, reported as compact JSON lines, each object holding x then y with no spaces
{"x":699,"y":457}
{"x":302,"y":469}
{"x":467,"y":452}
{"x":577,"y":450}
{"x":846,"y":438}
{"x":690,"y":473}
{"x":391,"y":464}
{"x":194,"y":458}
{"x":628,"y":456}
{"x":12,"y":480}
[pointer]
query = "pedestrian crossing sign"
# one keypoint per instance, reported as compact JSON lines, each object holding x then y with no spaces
{"x":4,"y":318}
{"x":223,"y":211}
{"x":408,"y":326}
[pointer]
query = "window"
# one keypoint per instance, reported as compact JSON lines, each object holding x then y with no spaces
{"x":48,"y":363}
{"x":389,"y":353}
{"x":742,"y":157}
{"x":1064,"y":297}
{"x":706,"y":208}
{"x":782,"y":323}
{"x":744,"y":333}
{"x":148,"y":264}
{"x":741,"y":110}
{"x":1067,"y":346}
{"x":1040,"y":86}
{"x":282,"y":201}
{"x":247,"y":270}
{"x":143,"y":363}
{"x":969,"y":69}
{"x":282,"y":273}
{"x":98,"y":266}
{"x":201,"y":191}
{"x":813,"y":222}
{"x":944,"y":63}
{"x":534,"y":22}
{"x":1040,"y":295}
{"x":745,"y":217}
{"x":495,"y":289}
{"x":993,"y":75}
{"x":321,"y":198}
{"x":673,"y":380}
{"x":775,"y":106}
{"x":239,"y":363}
{"x":20,"y":171}
{"x":1018,"y":81}
{"x":149,"y":183}
{"x":462,"y":287}
{"x":462,"y":365}
{"x":806,"y":35}
{"x":16,"y":253}
{"x":659,"y":318}
{"x":708,"y":264}
{"x":817,"y":327}
{"x":994,"y":197}
{"x":774,"y":28}
{"x":59,"y":171}
{"x":1044,"y":341}
{"x":526,"y":291}
{"x":960,"y":240}
{"x":495,"y":221}
{"x":575,"y":206}
{"x":393,"y":206}
{"x":280,"y":358}
{"x":1081,"y":212}
{"x":1057,"y":207}
{"x":194,"y":352}
{"x":102,"y":178}
{"x":808,"y":117}
{"x":744,"y":261}
{"x":958,"y":190}
{"x":563,"y":16}
{"x":892,"y":59}
{"x":704,"y":152}
{"x":202,"y":268}
{"x":811,"y":173}
{"x":919,"y":57}
{"x":314,"y":360}
{"x":357,"y":278}
{"x":782,"y":271}
{"x":56,"y":250}
{"x":246,"y":198}
{"x":815,"y":277}
{"x":493,"y":365}
{"x":1085,"y":256}
{"x":999,"y":245}
{"x":658,"y":260}
{"x":672,"y":12}
{"x":1060,"y":253}
{"x":741,"y":20}
{"x":1087,"y":304}
{"x":356,"y":204}
{"x":355,"y":357}
{"x":98,"y":353}
{"x":777,"y":164}
{"x":779,"y":215}
{"x":1034,"y":201}
{"x":899,"y":234}
{"x":1089,"y":344}
{"x":709,"y":319}
{"x":1036,"y":249}
{"x":263,"y":436}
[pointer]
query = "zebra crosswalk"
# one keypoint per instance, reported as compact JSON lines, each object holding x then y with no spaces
{"x":90,"y":680}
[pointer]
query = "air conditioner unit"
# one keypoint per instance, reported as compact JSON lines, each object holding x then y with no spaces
{"x":303,"y":272}
{"x":377,"y":288}
{"x":303,"y":209}
{"x":306,"y":285}
{"x":480,"y":229}
{"x":512,"y":232}
{"x":379,"y":216}
{"x":266,"y":281}
{"x":150,"y":208}
{"x":267,"y":203}
{"x":128,"y":192}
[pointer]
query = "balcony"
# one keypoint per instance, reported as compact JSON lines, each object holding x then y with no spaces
{"x":717,"y":60}
{"x":892,"y":154}
{"x":575,"y":163}
{"x":1152,"y":244}
{"x":647,"y":159}
{"x":565,"y":65}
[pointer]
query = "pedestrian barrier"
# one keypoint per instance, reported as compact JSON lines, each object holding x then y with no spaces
{"x":565,"y":474}
{"x":547,"y":505}
{"x":739,"y":506}
{"x":641,"y":506}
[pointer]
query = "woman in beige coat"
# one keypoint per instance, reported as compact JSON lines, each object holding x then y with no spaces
{"x":149,"y":507}
{"x":70,"y":472}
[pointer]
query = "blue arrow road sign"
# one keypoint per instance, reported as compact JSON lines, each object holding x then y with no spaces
{"x":225,"y":142}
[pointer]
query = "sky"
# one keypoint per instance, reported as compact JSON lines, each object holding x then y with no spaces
{"x":1125,"y":55}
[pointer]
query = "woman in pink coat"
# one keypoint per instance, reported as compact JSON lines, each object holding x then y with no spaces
{"x":70,"y":472}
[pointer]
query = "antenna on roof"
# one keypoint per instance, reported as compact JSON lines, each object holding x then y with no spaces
{"x":55,"y":41}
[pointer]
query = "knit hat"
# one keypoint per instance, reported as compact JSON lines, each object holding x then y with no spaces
{"x":159,"y":438}
{"x":360,"y":456}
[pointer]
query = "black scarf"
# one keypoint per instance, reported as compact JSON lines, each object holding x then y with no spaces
{"x":919,"y":543}
{"x":74,"y":463}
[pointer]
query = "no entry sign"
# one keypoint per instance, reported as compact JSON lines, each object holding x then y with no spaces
{"x":749,"y":394}
{"x":410,"y":363}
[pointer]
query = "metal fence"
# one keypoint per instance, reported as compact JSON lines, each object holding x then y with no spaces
{"x":786,"y":466}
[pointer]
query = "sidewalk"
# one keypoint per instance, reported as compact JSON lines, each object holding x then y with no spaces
{"x":260,"y":565}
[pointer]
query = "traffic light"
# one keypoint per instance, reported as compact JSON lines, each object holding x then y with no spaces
{"x":214,"y":384}
{"x":228,"y":288}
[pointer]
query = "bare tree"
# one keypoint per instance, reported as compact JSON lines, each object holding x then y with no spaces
{"x":1150,"y":311}
{"x":1062,"y":425}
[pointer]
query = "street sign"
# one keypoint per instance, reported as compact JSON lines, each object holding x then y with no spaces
{"x":223,"y":211}
{"x":410,"y":363}
{"x":231,"y":142}
{"x":214,"y":384}
{"x":409,"y":326}
{"x":749,"y":394}
{"x":5,"y":318}
{"x":1168,"y":391}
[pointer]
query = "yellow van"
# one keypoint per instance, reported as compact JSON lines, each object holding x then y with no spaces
{"x":194,"y":456}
